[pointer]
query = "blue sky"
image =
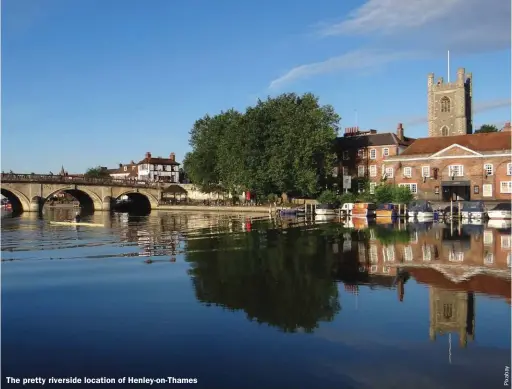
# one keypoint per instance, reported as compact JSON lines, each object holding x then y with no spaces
{"x":98,"y":82}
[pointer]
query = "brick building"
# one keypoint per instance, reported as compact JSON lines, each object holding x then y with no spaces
{"x":361,"y":154}
{"x":462,"y":167}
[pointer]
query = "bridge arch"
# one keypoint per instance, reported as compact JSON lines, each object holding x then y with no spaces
{"x":20,"y":202}
{"x":143,"y":198}
{"x":86,"y":198}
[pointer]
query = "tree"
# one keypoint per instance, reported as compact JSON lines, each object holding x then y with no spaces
{"x":97,"y":172}
{"x":328,"y":197}
{"x":280,"y":145}
{"x":384,"y":194}
{"x":487,"y":128}
{"x":402,"y":195}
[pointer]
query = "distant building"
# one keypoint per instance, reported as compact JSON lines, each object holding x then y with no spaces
{"x":462,"y":167}
{"x":361,"y":154}
{"x":159,"y":169}
{"x":127,"y":172}
{"x":450,"y":107}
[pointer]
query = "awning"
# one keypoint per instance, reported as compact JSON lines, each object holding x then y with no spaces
{"x":455,"y":183}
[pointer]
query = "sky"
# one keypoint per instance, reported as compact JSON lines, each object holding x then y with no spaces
{"x":101,"y":82}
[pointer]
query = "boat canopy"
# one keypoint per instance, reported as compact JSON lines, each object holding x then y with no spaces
{"x":420,"y":206}
{"x":475,"y":206}
{"x":386,"y":207}
{"x":503,"y":207}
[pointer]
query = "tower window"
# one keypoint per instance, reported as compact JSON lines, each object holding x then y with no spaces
{"x":445,"y":104}
{"x":444,"y":131}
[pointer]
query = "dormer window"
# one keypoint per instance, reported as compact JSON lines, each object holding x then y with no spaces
{"x":125,"y":168}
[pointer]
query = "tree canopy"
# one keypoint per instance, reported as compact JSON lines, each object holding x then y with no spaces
{"x":280,"y":145}
{"x":487,"y":128}
{"x":97,"y":172}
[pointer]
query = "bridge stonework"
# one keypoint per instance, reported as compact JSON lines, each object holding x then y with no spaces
{"x":32,"y":195}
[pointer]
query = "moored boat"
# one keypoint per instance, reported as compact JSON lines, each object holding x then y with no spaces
{"x":363,"y":210}
{"x":501,"y":211}
{"x":473,"y":210}
{"x":325,"y":210}
{"x":388,"y":211}
{"x":420,"y":209}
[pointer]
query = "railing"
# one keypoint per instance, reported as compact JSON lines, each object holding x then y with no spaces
{"x":48,"y":178}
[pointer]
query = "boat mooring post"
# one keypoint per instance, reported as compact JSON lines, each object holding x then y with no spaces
{"x":460,"y":211}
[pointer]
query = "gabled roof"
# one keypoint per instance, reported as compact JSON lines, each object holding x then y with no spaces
{"x":132,"y":170}
{"x":361,"y":141}
{"x":485,"y":142}
{"x":159,"y":161}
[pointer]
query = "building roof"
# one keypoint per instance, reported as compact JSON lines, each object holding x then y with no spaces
{"x":366,"y":140}
{"x":485,"y":142}
{"x":480,"y":283}
{"x":132,"y":170}
{"x":158,"y":161}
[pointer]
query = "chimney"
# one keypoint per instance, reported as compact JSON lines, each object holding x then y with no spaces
{"x":172,"y":157}
{"x":506,"y":127}
{"x":148,"y":155}
{"x":132,"y":162}
{"x":120,"y":165}
{"x":400,"y":131}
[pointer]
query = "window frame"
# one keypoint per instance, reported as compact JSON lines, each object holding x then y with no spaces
{"x":423,"y":171}
{"x":489,"y":169}
{"x":374,"y":152}
{"x":409,"y":170}
{"x":460,"y":170}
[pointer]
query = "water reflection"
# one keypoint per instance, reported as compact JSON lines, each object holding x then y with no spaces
{"x":355,"y":281}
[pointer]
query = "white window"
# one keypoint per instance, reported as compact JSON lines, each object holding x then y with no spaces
{"x":408,"y":253}
{"x":345,"y":170}
{"x":505,"y":242}
{"x":345,"y":155}
{"x":427,"y":253}
{"x":385,"y":152}
{"x":372,"y":187}
{"x":414,"y":237}
{"x":456,"y":170}
{"x":489,"y":259}
{"x":373,"y":171}
{"x":361,"y":153}
{"x":389,"y":172}
{"x":509,"y":169}
{"x":488,"y":169}
{"x":509,"y":259}
{"x":372,"y":234}
{"x":388,"y":253}
{"x":456,"y":256}
{"x":385,"y":269}
{"x":373,"y":269}
{"x":125,"y":168}
{"x":412,"y":187}
{"x":425,"y":171}
{"x":506,"y":186}
{"x":374,"y":255}
{"x":407,"y":172}
{"x":373,"y":154}
{"x":488,"y":237}
{"x":360,"y":171}
{"x":487,"y":190}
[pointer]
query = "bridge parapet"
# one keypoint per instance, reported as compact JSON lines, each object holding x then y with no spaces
{"x":58,"y":179}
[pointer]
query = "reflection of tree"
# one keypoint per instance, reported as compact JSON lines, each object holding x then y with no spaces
{"x":282,"y":278}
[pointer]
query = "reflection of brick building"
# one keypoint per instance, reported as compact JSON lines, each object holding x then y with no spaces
{"x":452,"y":312}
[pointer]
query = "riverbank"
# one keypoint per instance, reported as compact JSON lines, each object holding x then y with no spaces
{"x":205,"y":208}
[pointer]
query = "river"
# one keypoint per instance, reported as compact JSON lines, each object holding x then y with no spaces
{"x":239,"y":302}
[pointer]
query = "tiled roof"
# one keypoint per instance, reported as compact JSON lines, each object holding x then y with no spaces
{"x":131,"y":169}
{"x":159,"y":161}
{"x":485,"y":142}
{"x":361,"y":141}
{"x":480,"y":283}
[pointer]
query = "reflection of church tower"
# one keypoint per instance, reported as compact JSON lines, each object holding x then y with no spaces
{"x":452,"y":311}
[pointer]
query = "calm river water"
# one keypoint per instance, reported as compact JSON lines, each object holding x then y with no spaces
{"x":239,"y":302}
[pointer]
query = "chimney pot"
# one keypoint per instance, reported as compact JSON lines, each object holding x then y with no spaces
{"x":120,"y":165}
{"x":172,"y":157}
{"x":148,"y":155}
{"x":400,"y":131}
{"x":507,"y":127}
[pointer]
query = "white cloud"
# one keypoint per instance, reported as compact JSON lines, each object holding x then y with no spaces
{"x":435,"y":26}
{"x":390,"y":16}
{"x":358,"y":60}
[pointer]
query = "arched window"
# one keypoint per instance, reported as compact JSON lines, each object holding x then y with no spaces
{"x":447,"y":311}
{"x":444,"y":131}
{"x":445,"y":104}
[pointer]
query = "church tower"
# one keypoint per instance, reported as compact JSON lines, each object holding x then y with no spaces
{"x":450,"y":108}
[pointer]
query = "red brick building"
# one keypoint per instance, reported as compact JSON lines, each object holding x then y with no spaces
{"x":361,"y":153}
{"x":462,"y":167}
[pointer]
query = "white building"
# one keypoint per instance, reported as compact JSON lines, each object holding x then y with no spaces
{"x":128,"y":171}
{"x":159,"y":169}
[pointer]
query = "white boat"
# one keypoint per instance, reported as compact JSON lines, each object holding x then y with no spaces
{"x":325,"y":210}
{"x":499,"y":223}
{"x":78,"y":224}
{"x":421,"y":210}
{"x":501,"y":211}
{"x":474,"y":210}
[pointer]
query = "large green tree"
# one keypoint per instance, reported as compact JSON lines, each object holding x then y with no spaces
{"x":282,"y":144}
{"x":97,"y":172}
{"x":487,"y":128}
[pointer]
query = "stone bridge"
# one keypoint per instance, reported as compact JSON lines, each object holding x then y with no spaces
{"x":29,"y":192}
